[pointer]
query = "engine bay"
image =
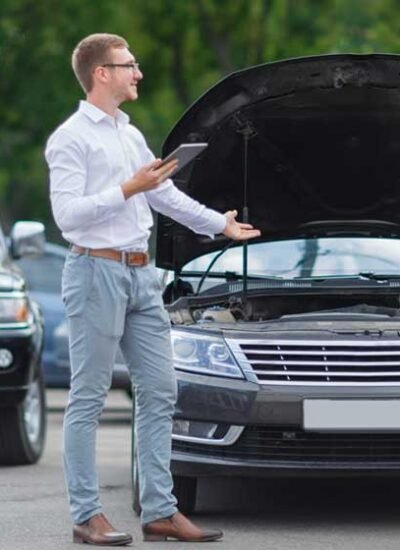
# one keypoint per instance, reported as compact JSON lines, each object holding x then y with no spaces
{"x":236,"y":308}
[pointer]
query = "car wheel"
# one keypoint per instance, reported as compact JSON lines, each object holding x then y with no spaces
{"x":23,"y":427}
{"x":185,"y":490}
{"x":129,"y":392}
{"x":134,"y":469}
{"x":135,"y":487}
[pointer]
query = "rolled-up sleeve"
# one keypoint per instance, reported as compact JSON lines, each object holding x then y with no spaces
{"x":72,"y":209}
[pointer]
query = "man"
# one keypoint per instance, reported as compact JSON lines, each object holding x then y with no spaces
{"x":103,"y":178}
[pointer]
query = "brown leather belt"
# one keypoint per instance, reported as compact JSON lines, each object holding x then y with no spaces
{"x":128,"y":258}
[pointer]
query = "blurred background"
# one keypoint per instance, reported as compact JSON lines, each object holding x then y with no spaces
{"x":183,"y":46}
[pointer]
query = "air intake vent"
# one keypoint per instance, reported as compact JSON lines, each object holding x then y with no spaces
{"x":297,"y":448}
{"x":254,"y":285}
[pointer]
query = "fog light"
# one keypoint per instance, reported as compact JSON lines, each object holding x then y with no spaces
{"x":189,"y":428}
{"x":6,"y":358}
{"x":181,"y":427}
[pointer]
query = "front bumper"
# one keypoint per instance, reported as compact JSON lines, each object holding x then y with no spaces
{"x":273,"y":440}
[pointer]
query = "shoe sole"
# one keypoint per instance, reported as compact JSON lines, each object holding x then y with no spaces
{"x":158,"y":538}
{"x":79,"y":540}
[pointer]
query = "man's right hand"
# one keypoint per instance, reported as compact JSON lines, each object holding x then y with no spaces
{"x":148,"y":177}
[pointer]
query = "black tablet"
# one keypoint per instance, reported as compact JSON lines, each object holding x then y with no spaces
{"x":184,"y":153}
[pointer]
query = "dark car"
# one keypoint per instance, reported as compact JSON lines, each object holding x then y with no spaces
{"x":22,"y":392}
{"x":287,"y":348}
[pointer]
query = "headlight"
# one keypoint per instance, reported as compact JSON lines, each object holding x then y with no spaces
{"x":14,"y":310}
{"x":6,"y":358}
{"x":203,"y":354}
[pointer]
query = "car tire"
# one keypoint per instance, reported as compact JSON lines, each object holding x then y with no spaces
{"x":129,"y":392}
{"x":134,"y":467}
{"x":185,"y":490}
{"x":135,"y":487}
{"x":23,"y":427}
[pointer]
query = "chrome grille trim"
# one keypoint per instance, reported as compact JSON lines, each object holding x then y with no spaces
{"x":331,"y":373}
{"x":319,"y":362}
{"x":326,"y":352}
{"x":328,"y":363}
{"x":231,"y":436}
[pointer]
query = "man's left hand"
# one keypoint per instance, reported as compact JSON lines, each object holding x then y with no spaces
{"x":238,"y":231}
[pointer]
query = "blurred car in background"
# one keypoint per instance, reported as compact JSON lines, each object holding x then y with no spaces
{"x":120,"y":377}
{"x":22,"y":393}
{"x":43,"y":276}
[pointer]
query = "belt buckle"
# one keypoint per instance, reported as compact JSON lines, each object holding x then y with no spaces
{"x":136,"y":259}
{"x":131,"y":259}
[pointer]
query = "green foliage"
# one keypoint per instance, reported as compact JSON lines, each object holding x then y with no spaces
{"x":184,"y":47}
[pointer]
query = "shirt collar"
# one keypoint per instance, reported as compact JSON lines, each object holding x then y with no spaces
{"x":96,"y":114}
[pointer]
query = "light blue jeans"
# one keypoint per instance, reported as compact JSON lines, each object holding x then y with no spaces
{"x":108,"y":303}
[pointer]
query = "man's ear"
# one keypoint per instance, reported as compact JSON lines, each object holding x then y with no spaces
{"x":100,"y":74}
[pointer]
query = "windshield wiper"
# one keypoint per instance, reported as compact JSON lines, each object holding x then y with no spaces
{"x":362,"y":275}
{"x":379,"y":276}
{"x":228,"y":275}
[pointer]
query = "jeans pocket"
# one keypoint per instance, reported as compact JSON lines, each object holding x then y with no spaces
{"x":107,"y":302}
{"x":77,"y":279}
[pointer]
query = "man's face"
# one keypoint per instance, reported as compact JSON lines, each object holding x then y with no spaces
{"x":124,"y":75}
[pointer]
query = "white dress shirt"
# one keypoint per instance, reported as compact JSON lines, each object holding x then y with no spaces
{"x":90,"y":155}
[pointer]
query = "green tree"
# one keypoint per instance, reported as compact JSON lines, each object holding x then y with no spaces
{"x":184,"y":47}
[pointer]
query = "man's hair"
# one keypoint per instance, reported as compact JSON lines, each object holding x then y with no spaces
{"x":92,"y":51}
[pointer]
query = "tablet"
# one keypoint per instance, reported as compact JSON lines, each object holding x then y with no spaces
{"x":184,"y":153}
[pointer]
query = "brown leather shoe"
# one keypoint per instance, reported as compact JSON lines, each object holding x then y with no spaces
{"x":178,"y":527}
{"x":98,"y":531}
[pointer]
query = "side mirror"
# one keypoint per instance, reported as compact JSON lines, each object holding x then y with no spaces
{"x":27,"y":239}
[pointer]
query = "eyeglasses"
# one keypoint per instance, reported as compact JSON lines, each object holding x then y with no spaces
{"x":134,"y":66}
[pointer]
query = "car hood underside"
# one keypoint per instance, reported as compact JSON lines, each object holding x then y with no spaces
{"x":311,"y":146}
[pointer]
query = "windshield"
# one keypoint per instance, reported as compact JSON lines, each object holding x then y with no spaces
{"x":327,"y":257}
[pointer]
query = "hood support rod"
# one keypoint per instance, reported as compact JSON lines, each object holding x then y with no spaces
{"x":246,"y":128}
{"x":245,"y":215}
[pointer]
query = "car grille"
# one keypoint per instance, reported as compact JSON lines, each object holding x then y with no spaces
{"x":320,"y":362}
{"x":262,"y":443}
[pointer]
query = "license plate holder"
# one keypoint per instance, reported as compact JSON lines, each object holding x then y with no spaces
{"x":351,"y":415}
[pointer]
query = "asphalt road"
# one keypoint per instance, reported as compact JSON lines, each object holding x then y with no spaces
{"x":254,"y":514}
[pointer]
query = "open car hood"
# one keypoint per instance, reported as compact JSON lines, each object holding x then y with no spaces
{"x":321,"y":139}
